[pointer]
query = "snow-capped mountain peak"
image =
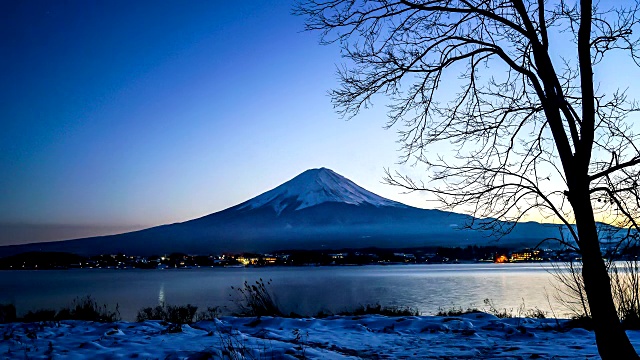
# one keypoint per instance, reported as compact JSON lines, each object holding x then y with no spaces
{"x":314,"y":187}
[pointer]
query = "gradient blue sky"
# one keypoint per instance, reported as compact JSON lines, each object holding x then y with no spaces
{"x":119,"y":115}
{"x":125,"y":114}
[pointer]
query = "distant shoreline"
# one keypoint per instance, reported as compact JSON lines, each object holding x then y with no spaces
{"x":325,"y":257}
{"x":280,"y":266}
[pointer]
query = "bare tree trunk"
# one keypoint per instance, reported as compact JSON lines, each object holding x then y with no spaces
{"x":611,"y":338}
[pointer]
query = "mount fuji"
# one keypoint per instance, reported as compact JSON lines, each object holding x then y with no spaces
{"x":316,"y":209}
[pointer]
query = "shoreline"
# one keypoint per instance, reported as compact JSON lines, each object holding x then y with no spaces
{"x":284,"y":266}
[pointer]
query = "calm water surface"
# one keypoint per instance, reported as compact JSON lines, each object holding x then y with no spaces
{"x":304,"y":290}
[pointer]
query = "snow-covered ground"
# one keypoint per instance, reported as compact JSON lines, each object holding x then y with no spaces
{"x":470,"y":336}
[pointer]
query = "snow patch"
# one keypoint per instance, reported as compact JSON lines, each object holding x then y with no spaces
{"x":471,"y":336}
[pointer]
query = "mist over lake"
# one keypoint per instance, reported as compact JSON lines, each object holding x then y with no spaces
{"x":303,"y":290}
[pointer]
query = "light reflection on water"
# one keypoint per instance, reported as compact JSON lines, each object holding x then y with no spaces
{"x":161,"y":298}
{"x":304,"y":290}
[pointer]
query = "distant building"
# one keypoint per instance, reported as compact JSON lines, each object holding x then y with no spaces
{"x":526,"y":255}
{"x":270,"y":259}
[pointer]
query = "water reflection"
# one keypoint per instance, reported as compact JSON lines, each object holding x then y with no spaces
{"x":161,"y":299}
{"x":304,"y":290}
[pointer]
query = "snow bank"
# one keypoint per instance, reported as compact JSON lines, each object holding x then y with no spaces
{"x":470,"y":336}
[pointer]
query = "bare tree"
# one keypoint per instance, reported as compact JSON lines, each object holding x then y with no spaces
{"x":531,"y":130}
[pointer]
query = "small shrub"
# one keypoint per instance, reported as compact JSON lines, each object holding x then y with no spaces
{"x":183,"y":314}
{"x":301,"y":339}
{"x":456,"y":311}
{"x":7,"y":313}
{"x":322,"y":314}
{"x":212,"y":313}
{"x":377,"y":309}
{"x":535,"y":313}
{"x":87,"y":309}
{"x":502,"y":314}
{"x":40,"y":315}
{"x":234,"y":346}
{"x":256,"y":300}
{"x":151,"y":313}
{"x":625,"y":287}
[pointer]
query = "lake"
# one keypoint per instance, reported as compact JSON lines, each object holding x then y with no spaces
{"x":304,"y":290}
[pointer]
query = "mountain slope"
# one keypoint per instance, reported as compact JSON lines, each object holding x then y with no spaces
{"x":316,"y":209}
